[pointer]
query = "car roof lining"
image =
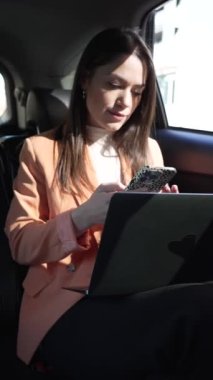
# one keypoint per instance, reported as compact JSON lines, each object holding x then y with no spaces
{"x":46,"y":47}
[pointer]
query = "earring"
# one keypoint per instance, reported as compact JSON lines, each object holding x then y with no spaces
{"x":83,"y":94}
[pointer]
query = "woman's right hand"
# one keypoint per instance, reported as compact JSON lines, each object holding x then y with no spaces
{"x":94,"y":210}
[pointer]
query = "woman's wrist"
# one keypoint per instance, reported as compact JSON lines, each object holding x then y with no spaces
{"x":80,"y":220}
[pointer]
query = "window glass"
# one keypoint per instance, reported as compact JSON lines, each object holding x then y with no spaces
{"x":3,"y":101}
{"x":183,"y":31}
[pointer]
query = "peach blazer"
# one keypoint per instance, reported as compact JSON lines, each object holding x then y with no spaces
{"x":41,"y":235}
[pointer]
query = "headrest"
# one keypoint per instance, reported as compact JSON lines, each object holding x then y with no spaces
{"x":46,"y":108}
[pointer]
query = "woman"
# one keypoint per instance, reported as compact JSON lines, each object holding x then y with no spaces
{"x":62,"y":191}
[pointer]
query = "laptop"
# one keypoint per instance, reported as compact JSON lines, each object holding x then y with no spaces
{"x":152,"y":240}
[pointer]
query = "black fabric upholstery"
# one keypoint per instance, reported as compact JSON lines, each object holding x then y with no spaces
{"x":11,"y":274}
{"x":45,"y":108}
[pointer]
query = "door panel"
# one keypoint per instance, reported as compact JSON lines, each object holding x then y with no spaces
{"x":191,"y":152}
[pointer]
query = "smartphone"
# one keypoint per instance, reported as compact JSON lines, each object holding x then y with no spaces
{"x":151,"y":179}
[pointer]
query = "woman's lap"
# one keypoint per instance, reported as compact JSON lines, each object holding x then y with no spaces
{"x":168,"y":330}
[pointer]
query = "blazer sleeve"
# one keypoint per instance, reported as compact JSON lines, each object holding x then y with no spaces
{"x":33,"y":237}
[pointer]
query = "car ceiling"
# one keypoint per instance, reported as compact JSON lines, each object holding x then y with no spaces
{"x":42,"y":39}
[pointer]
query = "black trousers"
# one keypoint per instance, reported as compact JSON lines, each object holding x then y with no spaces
{"x":161,"y":334}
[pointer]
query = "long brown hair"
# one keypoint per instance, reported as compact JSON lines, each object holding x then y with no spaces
{"x":131,"y":139}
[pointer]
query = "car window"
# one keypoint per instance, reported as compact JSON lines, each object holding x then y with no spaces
{"x":3,"y":100}
{"x":183,"y":59}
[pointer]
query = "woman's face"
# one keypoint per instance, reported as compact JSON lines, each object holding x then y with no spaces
{"x":114,"y":92}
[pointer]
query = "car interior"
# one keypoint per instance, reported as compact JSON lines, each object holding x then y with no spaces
{"x":40,"y":44}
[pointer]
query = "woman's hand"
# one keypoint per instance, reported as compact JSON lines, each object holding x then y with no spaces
{"x":94,"y":210}
{"x":168,"y":189}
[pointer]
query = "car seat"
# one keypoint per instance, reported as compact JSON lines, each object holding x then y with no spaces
{"x":45,"y":109}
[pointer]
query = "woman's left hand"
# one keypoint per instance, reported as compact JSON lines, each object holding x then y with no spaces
{"x":169,"y":189}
